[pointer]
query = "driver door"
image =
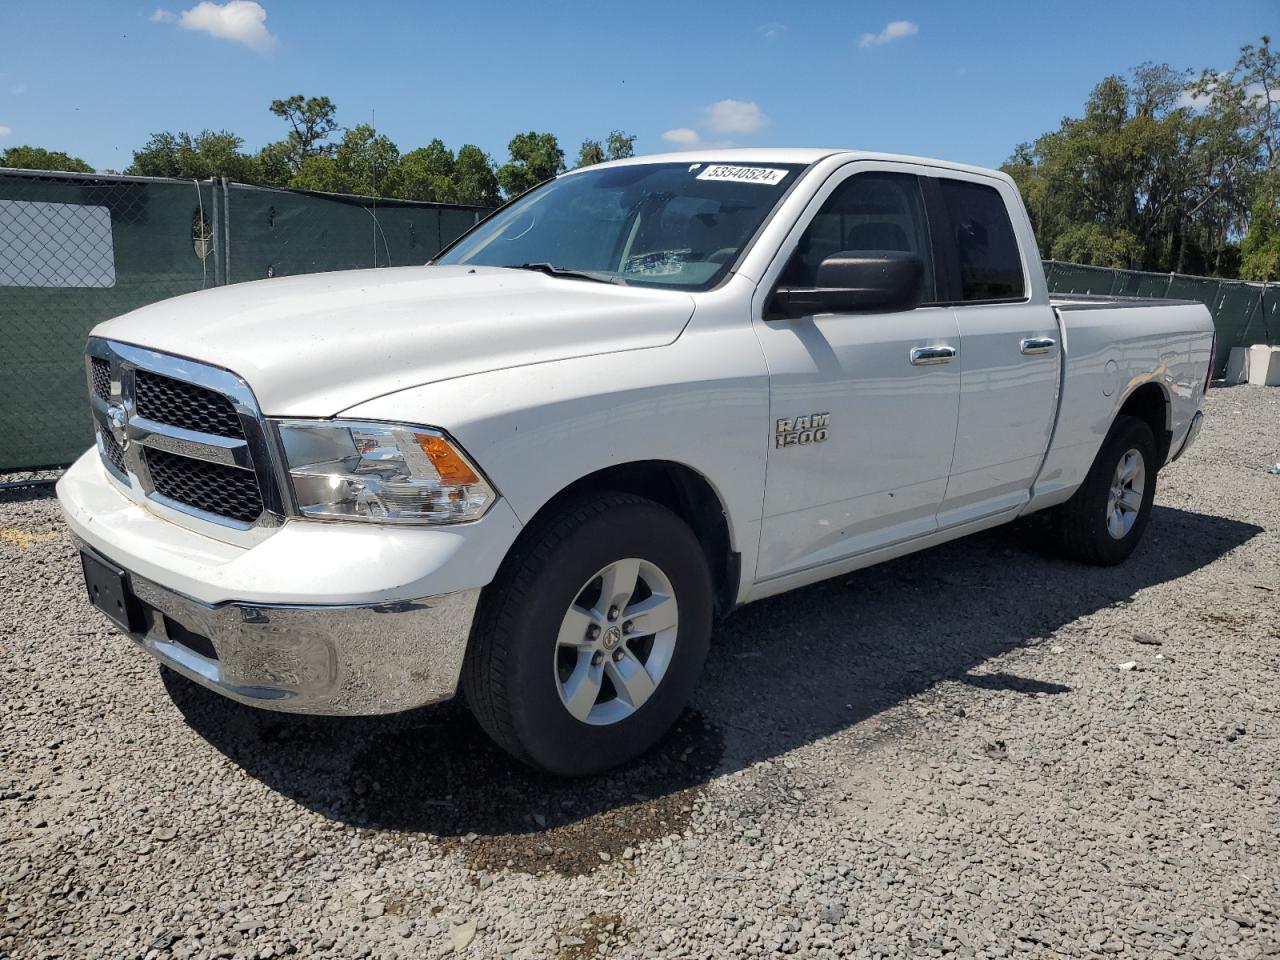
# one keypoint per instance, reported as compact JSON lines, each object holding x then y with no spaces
{"x":863,"y":406}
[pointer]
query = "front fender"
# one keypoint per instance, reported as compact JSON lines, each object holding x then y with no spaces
{"x":701,"y":402}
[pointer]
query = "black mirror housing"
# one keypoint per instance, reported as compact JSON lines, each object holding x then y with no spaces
{"x":857,"y":281}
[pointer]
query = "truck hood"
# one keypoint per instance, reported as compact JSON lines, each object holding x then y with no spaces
{"x":315,"y":345}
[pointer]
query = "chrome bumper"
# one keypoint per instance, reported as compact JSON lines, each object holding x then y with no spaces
{"x":334,"y":660}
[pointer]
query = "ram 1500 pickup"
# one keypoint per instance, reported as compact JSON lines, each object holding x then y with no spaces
{"x":636,"y":397}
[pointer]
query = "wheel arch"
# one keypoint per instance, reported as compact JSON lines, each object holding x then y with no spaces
{"x":685,"y":492}
{"x":1149,"y":403}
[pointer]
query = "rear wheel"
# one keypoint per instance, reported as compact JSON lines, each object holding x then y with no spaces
{"x":1104,"y":520}
{"x":591,"y":639}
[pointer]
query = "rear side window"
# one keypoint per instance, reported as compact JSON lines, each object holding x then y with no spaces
{"x":986,"y":249}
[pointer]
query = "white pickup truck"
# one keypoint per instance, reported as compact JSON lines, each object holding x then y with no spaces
{"x":638,"y":396}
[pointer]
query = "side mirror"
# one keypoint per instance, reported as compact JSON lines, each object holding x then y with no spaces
{"x":856,"y":281}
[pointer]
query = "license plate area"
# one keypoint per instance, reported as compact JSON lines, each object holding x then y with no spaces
{"x":109,"y":591}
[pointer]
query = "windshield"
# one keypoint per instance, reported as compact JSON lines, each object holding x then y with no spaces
{"x":678,"y":225}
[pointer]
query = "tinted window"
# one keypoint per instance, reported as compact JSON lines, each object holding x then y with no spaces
{"x":986,"y":249}
{"x":869,"y":211}
{"x":661,"y":224}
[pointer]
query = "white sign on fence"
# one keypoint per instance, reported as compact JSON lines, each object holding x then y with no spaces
{"x":55,"y":245}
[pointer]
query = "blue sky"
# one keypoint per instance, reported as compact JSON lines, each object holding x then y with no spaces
{"x":964,"y":81}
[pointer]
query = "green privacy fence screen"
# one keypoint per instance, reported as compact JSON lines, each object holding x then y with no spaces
{"x":78,"y":249}
{"x":1243,"y":313}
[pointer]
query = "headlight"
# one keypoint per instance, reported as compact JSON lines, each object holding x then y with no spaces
{"x":384,"y":472}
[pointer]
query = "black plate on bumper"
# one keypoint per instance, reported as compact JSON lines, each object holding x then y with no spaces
{"x":110,"y":592}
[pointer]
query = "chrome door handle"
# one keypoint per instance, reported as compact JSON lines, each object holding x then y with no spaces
{"x":923,"y":356}
{"x":1034,"y":345}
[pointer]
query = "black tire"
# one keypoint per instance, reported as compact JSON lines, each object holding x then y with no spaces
{"x":1080,"y":524}
{"x":509,"y":677}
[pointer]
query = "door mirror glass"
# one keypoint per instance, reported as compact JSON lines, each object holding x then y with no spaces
{"x":856,"y":281}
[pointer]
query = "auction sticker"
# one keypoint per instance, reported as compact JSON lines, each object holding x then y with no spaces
{"x":765,"y":175}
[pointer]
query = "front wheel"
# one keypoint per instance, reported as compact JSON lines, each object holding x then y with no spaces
{"x":591,"y":639}
{"x":1104,"y":520}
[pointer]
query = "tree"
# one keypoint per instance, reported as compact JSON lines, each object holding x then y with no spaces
{"x":429,"y":173}
{"x":1141,"y":180}
{"x":1250,"y":93}
{"x":620,"y":145}
{"x":535,"y":157}
{"x":590,"y":153}
{"x":206,"y":154}
{"x":311,"y":121}
{"x":617,"y":146}
{"x":474,"y":177}
{"x":1260,"y":250}
{"x":364,"y":162}
{"x":38,"y":158}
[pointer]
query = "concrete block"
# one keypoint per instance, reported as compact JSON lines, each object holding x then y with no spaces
{"x":1264,"y":365}
{"x":1237,"y":366}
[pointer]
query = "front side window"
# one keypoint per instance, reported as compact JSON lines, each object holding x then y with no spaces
{"x":678,"y":225}
{"x":869,"y":211}
{"x":986,"y":248}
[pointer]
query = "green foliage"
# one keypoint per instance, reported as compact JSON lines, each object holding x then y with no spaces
{"x":1092,"y":243}
{"x":428,"y":173}
{"x":1141,"y":180}
{"x":311,"y":122}
{"x":476,"y":179}
{"x":1249,"y":93}
{"x":362,"y":162}
{"x":617,"y":146}
{"x":207,"y":154}
{"x":272,"y":164}
{"x":365,"y":162}
{"x":38,"y":158}
{"x":535,"y":157}
{"x":1260,"y":250}
{"x":590,"y":153}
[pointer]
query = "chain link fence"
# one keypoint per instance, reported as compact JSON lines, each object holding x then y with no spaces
{"x":77,"y":249}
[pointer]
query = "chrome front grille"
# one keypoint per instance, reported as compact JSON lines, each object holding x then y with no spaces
{"x":185,"y":438}
{"x":100,"y":377}
{"x":111,"y":452}
{"x":209,"y":487}
{"x":185,"y":405}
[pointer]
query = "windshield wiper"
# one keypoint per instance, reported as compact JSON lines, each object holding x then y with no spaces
{"x":551,"y":270}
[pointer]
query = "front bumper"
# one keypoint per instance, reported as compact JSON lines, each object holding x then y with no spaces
{"x":350,"y":659}
{"x":324,"y":618}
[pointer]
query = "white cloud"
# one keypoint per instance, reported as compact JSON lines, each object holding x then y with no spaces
{"x":5,"y":131}
{"x":242,"y":21}
{"x":735,"y":116}
{"x":1255,"y":92}
{"x":772,"y":31}
{"x":681,"y":136}
{"x":1196,"y":101}
{"x":894,"y":30}
{"x":18,"y":89}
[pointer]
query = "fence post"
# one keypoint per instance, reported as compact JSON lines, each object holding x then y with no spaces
{"x":226,"y":227}
{"x":215,"y":234}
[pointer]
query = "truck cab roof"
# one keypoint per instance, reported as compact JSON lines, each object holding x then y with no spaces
{"x":757,"y":156}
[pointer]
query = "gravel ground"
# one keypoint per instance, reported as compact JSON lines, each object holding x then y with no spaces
{"x":977,"y":751}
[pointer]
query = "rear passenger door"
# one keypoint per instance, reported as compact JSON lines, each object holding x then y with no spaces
{"x":1009,"y":346}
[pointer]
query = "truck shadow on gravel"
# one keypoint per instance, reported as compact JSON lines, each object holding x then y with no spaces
{"x":782,"y":673}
